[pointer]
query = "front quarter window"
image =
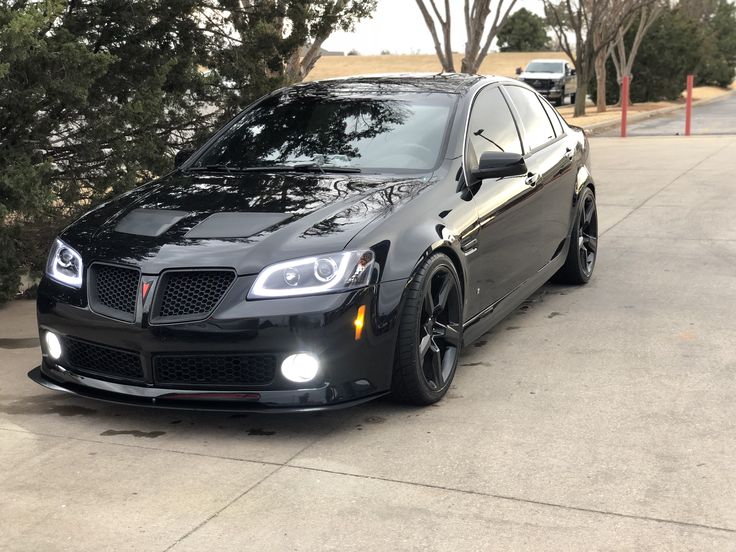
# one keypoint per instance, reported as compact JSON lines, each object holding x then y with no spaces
{"x":491,"y":127}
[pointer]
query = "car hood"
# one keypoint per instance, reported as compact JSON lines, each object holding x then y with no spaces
{"x":541,"y":76}
{"x":245,"y":221}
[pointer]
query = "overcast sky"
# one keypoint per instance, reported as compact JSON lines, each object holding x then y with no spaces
{"x":398,"y":26}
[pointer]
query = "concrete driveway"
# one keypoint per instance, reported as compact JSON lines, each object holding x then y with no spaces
{"x":599,"y":417}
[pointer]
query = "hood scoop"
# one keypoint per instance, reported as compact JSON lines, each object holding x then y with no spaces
{"x":235,"y":225}
{"x":149,"y":222}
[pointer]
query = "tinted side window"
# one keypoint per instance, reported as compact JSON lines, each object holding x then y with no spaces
{"x":552,"y":113}
{"x":536,"y":123}
{"x":491,"y":126}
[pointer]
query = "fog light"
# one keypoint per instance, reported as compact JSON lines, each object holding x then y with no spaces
{"x":53,"y":345}
{"x":300,"y":368}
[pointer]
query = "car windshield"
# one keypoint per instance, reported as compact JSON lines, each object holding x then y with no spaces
{"x":545,"y":67}
{"x":324,"y":129}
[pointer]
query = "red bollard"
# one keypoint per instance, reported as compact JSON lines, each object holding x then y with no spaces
{"x":689,"y":106}
{"x":624,"y":104}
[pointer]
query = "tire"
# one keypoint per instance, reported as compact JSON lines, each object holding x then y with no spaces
{"x":583,"y":251}
{"x":572,"y":98}
{"x":426,"y":362}
{"x":560,"y":101}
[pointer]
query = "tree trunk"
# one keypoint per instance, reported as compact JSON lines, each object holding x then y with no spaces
{"x":600,"y":78}
{"x":580,"y":95}
{"x":621,"y":92}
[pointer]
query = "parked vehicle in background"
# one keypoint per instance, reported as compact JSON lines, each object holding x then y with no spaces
{"x":552,"y":78}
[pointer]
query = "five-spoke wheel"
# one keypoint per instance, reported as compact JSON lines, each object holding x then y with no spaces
{"x":430,"y":335}
{"x":580,"y":262}
{"x":440,"y":328}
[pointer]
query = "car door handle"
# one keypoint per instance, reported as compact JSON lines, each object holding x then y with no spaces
{"x":532,"y":179}
{"x":570,"y":153}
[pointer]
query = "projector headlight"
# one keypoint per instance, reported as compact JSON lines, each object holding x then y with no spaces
{"x":313,"y":275}
{"x":64,"y":265}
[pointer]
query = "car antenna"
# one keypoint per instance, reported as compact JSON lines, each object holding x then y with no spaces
{"x":479,"y":132}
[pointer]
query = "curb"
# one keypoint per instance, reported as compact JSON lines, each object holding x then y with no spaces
{"x":607,"y":125}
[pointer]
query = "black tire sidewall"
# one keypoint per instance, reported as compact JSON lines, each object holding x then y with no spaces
{"x":587,"y":192}
{"x":409,"y":364}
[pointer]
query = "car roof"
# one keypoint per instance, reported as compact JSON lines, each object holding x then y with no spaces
{"x":450,"y":83}
{"x":553,"y":60}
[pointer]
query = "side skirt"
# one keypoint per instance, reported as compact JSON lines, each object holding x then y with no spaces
{"x":485,"y":320}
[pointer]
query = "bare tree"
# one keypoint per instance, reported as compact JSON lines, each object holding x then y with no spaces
{"x":594,"y":25}
{"x":623,"y":60}
{"x":441,"y":26}
{"x":601,"y":76}
{"x":480,"y":36}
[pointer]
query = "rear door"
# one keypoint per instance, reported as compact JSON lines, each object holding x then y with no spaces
{"x":548,"y":155}
{"x":505,"y":206}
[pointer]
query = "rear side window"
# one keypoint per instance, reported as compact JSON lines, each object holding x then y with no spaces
{"x":491,"y":127}
{"x":553,"y":117}
{"x":538,"y":128}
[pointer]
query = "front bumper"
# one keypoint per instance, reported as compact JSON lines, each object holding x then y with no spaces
{"x":286,"y":402}
{"x":351,"y":370}
{"x":551,"y":94}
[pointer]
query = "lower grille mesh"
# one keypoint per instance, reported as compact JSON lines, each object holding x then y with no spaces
{"x":215,"y":369}
{"x":86,"y":357}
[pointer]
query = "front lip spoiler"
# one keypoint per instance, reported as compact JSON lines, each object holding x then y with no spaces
{"x":200,"y":403}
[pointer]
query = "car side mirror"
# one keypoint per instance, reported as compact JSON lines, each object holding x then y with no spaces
{"x":519,"y":70}
{"x":181,"y":156}
{"x":497,"y":164}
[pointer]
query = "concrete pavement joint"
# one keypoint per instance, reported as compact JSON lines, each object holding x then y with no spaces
{"x":525,"y":500}
{"x":219,"y":511}
{"x":142,"y":447}
{"x":245,"y":492}
{"x":279,"y":466}
{"x":660,"y":190}
{"x":670,"y":238}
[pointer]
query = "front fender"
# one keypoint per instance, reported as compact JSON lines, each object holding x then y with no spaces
{"x":584,"y":179}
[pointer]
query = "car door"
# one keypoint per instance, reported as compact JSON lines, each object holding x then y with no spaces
{"x":571,"y":81}
{"x":549,"y":158}
{"x":505,"y":208}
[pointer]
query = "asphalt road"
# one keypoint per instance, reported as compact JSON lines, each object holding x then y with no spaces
{"x":716,"y":117}
{"x":599,"y":417}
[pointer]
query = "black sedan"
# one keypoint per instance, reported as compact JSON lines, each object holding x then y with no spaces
{"x":335,"y":242}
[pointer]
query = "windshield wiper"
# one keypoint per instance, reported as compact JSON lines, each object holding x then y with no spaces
{"x":303,"y":167}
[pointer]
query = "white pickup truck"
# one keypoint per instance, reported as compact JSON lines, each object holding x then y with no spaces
{"x":553,"y":78}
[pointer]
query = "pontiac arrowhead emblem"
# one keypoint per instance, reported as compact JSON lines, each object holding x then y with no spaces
{"x":145,"y":288}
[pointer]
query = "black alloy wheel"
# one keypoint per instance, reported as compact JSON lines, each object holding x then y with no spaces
{"x":588,"y":235}
{"x":583,"y":252}
{"x":430,"y":334}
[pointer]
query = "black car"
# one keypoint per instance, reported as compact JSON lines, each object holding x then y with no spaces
{"x":335,"y":242}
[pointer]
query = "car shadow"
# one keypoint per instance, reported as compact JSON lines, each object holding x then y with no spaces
{"x":152,"y":423}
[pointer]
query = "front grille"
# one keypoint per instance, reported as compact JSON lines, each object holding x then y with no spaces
{"x":541,"y":84}
{"x":191,"y":295}
{"x":84,"y":357}
{"x":214,"y":369}
{"x":114,"y":291}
